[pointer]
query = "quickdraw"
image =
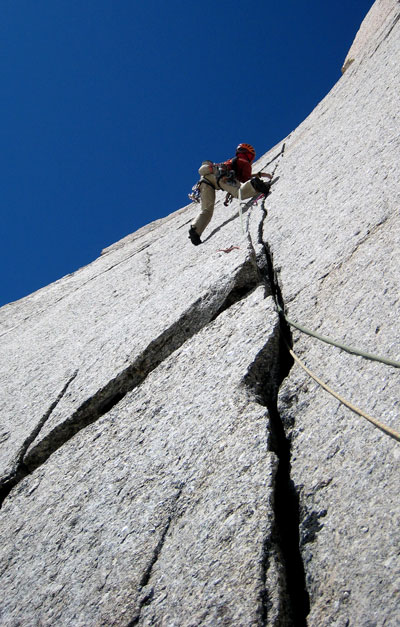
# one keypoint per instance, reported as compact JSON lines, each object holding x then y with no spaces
{"x":195,"y":193}
{"x":228,"y":199}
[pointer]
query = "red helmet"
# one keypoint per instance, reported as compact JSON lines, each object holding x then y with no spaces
{"x":247,"y":149}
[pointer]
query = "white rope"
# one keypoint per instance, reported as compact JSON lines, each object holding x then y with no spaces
{"x":240,"y":209}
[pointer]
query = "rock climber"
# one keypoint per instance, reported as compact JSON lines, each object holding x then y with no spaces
{"x":230,"y":176}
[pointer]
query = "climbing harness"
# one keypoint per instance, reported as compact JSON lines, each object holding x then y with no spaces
{"x":225,"y":171}
{"x":195,"y":195}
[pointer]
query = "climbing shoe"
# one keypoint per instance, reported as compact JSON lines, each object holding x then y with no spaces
{"x":194,"y":236}
{"x":260,"y":186}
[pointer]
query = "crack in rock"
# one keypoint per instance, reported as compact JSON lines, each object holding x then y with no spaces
{"x":19,"y":470}
{"x":295,"y":603}
{"x":201,"y":313}
{"x":36,"y":314}
{"x":149,"y":595}
{"x":311,"y":526}
{"x":358,"y":245}
{"x":396,"y":19}
{"x":264,"y":379}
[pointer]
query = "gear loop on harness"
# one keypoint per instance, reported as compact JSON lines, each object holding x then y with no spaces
{"x":222,"y":171}
{"x":195,"y":195}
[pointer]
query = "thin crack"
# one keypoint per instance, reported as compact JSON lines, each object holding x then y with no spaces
{"x":77,"y":289}
{"x":20,"y":471}
{"x":396,"y":19}
{"x":149,"y":595}
{"x":276,"y":156}
{"x":338,"y":266}
{"x":201,"y":313}
{"x":221,"y":226}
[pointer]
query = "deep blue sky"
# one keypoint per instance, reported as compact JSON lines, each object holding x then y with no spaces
{"x":107,"y":108}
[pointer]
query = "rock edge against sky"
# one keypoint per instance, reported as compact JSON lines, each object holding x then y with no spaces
{"x":162,"y":459}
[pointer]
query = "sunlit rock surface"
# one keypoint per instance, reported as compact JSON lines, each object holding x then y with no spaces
{"x":162,"y":461}
{"x":376,"y":26}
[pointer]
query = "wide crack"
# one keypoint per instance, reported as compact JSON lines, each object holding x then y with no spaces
{"x":295,"y":605}
{"x":201,"y":313}
{"x":264,"y":379}
{"x":287,"y":519}
{"x":285,"y":538}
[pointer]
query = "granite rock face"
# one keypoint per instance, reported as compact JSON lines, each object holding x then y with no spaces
{"x":377,"y":24}
{"x":166,"y":497}
{"x":162,"y":460}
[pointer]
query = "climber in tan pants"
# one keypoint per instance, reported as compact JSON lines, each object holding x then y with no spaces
{"x":211,"y":180}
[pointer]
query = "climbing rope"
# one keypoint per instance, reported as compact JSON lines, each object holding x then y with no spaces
{"x":390,"y":362}
{"x":348,"y":349}
{"x":255,"y":199}
{"x":388,"y":430}
{"x":245,"y":205}
{"x":240,"y":209}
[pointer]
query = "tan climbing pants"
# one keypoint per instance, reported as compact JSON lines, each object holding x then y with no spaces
{"x":207,"y":195}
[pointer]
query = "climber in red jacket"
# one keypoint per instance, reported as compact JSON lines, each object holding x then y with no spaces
{"x":230,"y":176}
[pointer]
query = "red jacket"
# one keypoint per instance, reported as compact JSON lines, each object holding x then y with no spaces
{"x":241,"y":166}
